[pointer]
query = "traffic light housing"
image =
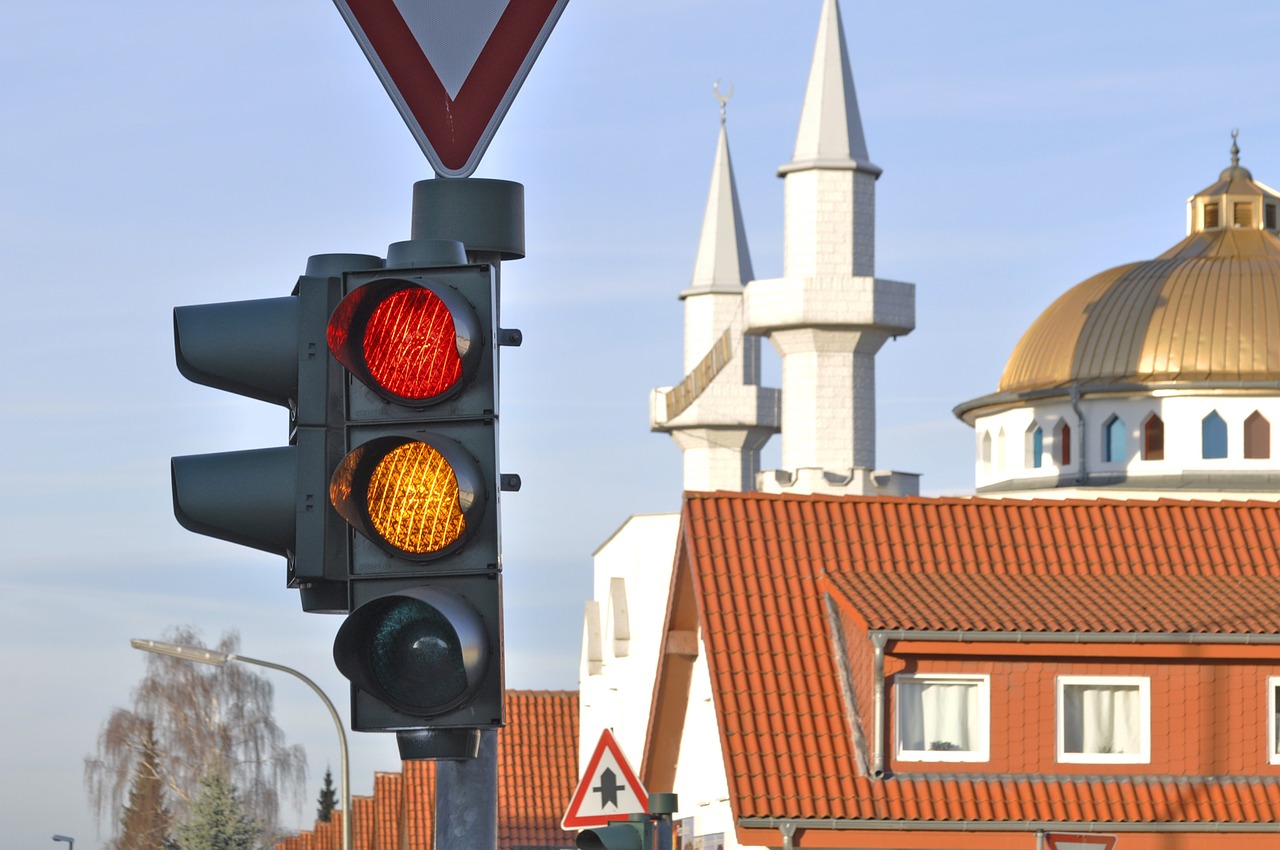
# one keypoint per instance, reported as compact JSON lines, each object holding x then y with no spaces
{"x":641,"y":831}
{"x":385,"y":499}
{"x":273,"y":499}
{"x":635,"y":833}
{"x":418,"y":485}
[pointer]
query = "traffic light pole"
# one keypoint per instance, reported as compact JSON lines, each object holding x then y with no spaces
{"x":487,"y":218}
{"x":467,"y":799}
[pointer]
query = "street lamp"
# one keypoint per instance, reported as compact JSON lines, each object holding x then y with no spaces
{"x":71,"y":842}
{"x":218,"y":659}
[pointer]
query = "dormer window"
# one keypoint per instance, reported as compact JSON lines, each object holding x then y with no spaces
{"x":1242,"y":215}
{"x":1271,"y":216}
{"x":1210,"y":216}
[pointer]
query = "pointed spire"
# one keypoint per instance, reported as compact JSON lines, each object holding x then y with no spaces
{"x":723,"y":263}
{"x":830,"y":134}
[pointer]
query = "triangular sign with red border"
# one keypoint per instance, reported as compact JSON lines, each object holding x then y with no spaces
{"x":452,"y":68}
{"x":609,"y":789}
{"x":1079,"y":841}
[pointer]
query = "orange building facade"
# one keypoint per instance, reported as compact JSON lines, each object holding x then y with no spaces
{"x":1204,"y":709}
{"x":975,"y":673}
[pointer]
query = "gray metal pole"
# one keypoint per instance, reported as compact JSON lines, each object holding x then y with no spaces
{"x":467,"y":799}
{"x":487,"y":217}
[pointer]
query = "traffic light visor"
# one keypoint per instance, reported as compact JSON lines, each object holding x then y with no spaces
{"x":411,"y":497}
{"x":411,"y":343}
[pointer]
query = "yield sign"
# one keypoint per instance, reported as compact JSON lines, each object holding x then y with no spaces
{"x":1079,"y":841}
{"x":452,"y":66}
{"x":608,"y":790}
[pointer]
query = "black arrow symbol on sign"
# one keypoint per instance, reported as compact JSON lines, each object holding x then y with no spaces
{"x":609,"y":788}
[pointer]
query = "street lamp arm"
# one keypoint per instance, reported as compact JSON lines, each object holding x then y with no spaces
{"x":188,"y":653}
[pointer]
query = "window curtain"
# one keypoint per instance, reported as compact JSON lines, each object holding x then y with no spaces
{"x":937,"y":715}
{"x":1102,"y":719}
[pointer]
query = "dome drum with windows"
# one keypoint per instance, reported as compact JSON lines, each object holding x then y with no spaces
{"x":1155,"y":375}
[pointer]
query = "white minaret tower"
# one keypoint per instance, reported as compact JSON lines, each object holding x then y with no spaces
{"x":719,"y":415}
{"x":828,"y":315}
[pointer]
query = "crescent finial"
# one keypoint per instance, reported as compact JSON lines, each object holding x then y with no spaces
{"x":723,"y":98}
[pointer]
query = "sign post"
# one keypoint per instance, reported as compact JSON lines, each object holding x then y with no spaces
{"x":452,"y":69}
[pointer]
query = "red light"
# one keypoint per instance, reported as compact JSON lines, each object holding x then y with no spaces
{"x":411,"y":346}
{"x":403,"y":340}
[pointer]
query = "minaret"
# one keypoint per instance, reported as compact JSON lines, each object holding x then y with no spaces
{"x":828,"y":315}
{"x":719,"y":415}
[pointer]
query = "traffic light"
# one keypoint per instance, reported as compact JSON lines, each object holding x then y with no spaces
{"x":635,"y":833}
{"x":385,"y":499}
{"x":273,"y":499}
{"x":642,"y":831}
{"x":418,"y":484}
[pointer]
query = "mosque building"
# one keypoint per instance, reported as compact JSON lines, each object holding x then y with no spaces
{"x":1156,"y":382}
{"x":1154,"y":377}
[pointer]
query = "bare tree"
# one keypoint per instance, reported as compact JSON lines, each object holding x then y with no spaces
{"x":204,"y":720}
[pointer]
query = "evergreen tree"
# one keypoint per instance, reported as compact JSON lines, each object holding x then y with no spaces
{"x":328,"y":798}
{"x":217,"y":820}
{"x":146,"y":823}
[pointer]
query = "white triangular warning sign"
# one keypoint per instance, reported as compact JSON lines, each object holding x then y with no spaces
{"x":609,"y":789}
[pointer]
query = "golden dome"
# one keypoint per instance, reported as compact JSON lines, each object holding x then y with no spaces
{"x":1207,"y":311}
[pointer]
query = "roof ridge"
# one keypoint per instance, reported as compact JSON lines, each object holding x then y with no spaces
{"x":1137,"y":502}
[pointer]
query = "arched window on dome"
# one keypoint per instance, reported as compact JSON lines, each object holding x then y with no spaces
{"x":1062,"y":441}
{"x":1213,"y":437}
{"x":1114,"y":449}
{"x":1257,"y":437}
{"x":1035,"y":447}
{"x":1153,"y":438}
{"x":984,"y":449}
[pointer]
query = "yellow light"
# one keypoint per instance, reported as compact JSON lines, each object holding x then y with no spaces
{"x":413,"y":499}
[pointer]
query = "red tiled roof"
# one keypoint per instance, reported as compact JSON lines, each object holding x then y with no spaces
{"x":537,"y":768}
{"x":388,"y":799}
{"x":1017,"y":565}
{"x":760,"y":566}
{"x":537,"y":774}
{"x":419,"y":804}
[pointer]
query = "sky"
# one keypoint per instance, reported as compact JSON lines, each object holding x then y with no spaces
{"x":156,"y":154}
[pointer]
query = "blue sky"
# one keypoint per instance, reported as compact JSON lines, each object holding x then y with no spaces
{"x":155,"y":154}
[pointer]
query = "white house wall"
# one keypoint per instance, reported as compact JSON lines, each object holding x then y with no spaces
{"x":700,"y":782}
{"x":636,"y":561}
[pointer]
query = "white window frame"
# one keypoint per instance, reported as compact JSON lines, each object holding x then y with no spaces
{"x":1143,"y":756}
{"x":981,"y":752}
{"x":1273,"y":740}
